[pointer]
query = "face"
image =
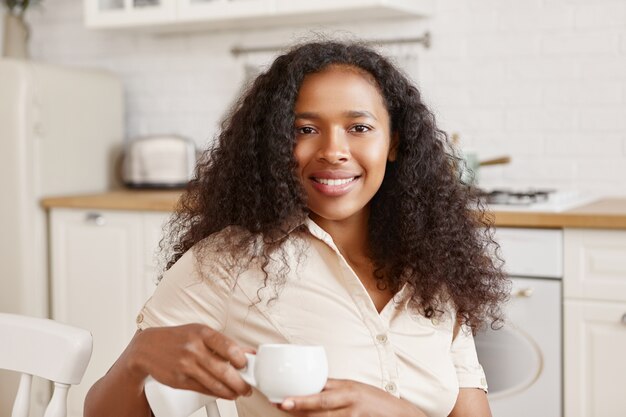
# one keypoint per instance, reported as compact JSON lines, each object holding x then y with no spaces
{"x":343,"y":141}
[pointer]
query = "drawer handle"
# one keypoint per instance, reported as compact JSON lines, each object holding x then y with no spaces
{"x":624,"y":319}
{"x":95,"y":219}
{"x":524,"y":292}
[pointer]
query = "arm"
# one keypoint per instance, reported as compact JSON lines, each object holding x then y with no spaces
{"x":472,"y":398}
{"x":119,"y":392}
{"x":190,"y":357}
{"x":471,"y":402}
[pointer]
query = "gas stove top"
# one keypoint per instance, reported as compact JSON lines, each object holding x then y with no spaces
{"x":535,"y":199}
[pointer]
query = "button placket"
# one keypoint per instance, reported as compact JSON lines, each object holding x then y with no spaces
{"x":391,"y":387}
{"x":376,"y":323}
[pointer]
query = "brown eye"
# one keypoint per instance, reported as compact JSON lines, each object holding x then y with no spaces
{"x":305,"y":130}
{"x":360,"y":128}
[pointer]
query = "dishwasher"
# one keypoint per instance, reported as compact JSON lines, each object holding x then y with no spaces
{"x":523,"y":359}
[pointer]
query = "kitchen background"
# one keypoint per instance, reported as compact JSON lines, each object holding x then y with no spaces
{"x":541,"y":80}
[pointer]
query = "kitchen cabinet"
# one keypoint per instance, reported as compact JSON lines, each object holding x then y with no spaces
{"x":102,"y":271}
{"x":184,"y":15}
{"x":595,"y":264}
{"x":595,"y":322}
{"x":128,"y":13}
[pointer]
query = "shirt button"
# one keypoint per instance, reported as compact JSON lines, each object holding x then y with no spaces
{"x":139,"y":318}
{"x":391,"y":388}
{"x":382,"y":338}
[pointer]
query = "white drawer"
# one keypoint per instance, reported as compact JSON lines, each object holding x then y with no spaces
{"x":531,"y":252}
{"x":595,"y":264}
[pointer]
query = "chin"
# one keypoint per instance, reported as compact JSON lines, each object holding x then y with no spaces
{"x":334,"y":215}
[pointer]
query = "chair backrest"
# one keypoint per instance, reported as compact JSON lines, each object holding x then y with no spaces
{"x":47,"y":349}
{"x":166,"y":401}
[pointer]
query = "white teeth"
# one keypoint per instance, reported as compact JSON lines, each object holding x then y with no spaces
{"x":333,"y":182}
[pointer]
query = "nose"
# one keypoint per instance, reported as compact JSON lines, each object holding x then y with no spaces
{"x":334,"y":147}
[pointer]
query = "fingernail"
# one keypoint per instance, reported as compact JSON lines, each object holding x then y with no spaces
{"x":248,"y":394}
{"x":288,"y":404}
{"x":234,"y":351}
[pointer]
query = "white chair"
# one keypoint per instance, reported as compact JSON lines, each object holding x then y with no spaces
{"x":47,"y":349}
{"x":171,"y":402}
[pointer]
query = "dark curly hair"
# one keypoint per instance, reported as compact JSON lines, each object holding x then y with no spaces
{"x":427,"y":228}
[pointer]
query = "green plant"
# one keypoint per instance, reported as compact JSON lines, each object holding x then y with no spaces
{"x":18,"y":7}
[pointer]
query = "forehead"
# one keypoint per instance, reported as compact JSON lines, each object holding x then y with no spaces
{"x":342,"y":86}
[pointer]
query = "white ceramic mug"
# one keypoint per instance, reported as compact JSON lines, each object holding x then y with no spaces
{"x":280,"y":370}
{"x":277,"y":370}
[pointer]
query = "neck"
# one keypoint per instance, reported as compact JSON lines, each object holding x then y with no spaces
{"x":350,"y":235}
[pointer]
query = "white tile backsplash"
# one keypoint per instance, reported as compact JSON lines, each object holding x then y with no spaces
{"x":588,"y":42}
{"x":541,"y":80}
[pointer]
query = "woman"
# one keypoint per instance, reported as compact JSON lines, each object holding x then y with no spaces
{"x":329,"y":213}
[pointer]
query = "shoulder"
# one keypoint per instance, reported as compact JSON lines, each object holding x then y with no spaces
{"x":213,"y":256}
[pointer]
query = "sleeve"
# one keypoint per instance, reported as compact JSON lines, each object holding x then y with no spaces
{"x":469,"y":371}
{"x":187,"y":294}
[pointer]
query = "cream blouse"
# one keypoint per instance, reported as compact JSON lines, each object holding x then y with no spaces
{"x":323,"y":302}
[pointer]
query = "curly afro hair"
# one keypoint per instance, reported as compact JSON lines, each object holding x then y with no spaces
{"x":427,"y":229}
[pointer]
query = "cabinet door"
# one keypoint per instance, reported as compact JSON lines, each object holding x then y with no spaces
{"x":304,"y":11}
{"x":153,"y":257}
{"x":595,"y":264}
{"x":128,"y":13}
{"x":228,"y":11}
{"x":595,"y":359}
{"x":96,"y":259}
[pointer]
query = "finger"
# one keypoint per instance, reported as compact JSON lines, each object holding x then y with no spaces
{"x":224,"y":372}
{"x":324,"y":401}
{"x":213,"y":385}
{"x":224,"y":346}
{"x":214,"y":391}
{"x":195,"y":380}
{"x":332,"y":383}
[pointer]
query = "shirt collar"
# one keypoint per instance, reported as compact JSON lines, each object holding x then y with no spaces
{"x":320,"y":233}
{"x":401,"y":297}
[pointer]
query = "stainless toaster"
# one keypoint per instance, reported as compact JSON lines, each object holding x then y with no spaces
{"x":159,"y":161}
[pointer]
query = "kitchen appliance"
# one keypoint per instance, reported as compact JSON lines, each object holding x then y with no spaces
{"x":164,"y":161}
{"x":468,"y":163}
{"x":535,"y":200}
{"x":523,"y":360}
{"x":59,"y":130}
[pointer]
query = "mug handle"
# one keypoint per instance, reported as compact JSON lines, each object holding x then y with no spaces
{"x":247,"y":373}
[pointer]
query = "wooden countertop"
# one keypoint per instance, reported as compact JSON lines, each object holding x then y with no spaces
{"x":143,"y":200}
{"x":606,"y":213}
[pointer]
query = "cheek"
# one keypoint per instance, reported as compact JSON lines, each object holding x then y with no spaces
{"x":375,"y":159}
{"x":302,"y":156}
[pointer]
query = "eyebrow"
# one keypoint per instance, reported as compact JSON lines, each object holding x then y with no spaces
{"x":353,"y":114}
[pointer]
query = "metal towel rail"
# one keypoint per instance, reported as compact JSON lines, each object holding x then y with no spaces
{"x":425,"y":40}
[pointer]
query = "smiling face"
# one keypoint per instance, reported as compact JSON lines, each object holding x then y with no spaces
{"x":343,"y":141}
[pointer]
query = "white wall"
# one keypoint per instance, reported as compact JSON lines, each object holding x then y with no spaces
{"x":541,"y":80}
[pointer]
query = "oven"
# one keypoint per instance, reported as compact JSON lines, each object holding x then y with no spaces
{"x":523,"y":359}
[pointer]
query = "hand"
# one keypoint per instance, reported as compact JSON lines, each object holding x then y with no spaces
{"x":344,"y":398}
{"x":192,"y":357}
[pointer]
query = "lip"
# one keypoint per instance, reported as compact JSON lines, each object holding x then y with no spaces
{"x":334,"y":175}
{"x":335,"y":190}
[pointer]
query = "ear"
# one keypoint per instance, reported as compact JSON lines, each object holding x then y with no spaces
{"x":393,"y":147}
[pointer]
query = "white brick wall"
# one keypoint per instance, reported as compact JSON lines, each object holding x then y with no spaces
{"x":541,"y":80}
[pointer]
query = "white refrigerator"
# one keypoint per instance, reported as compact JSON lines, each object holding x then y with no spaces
{"x":60,"y":130}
